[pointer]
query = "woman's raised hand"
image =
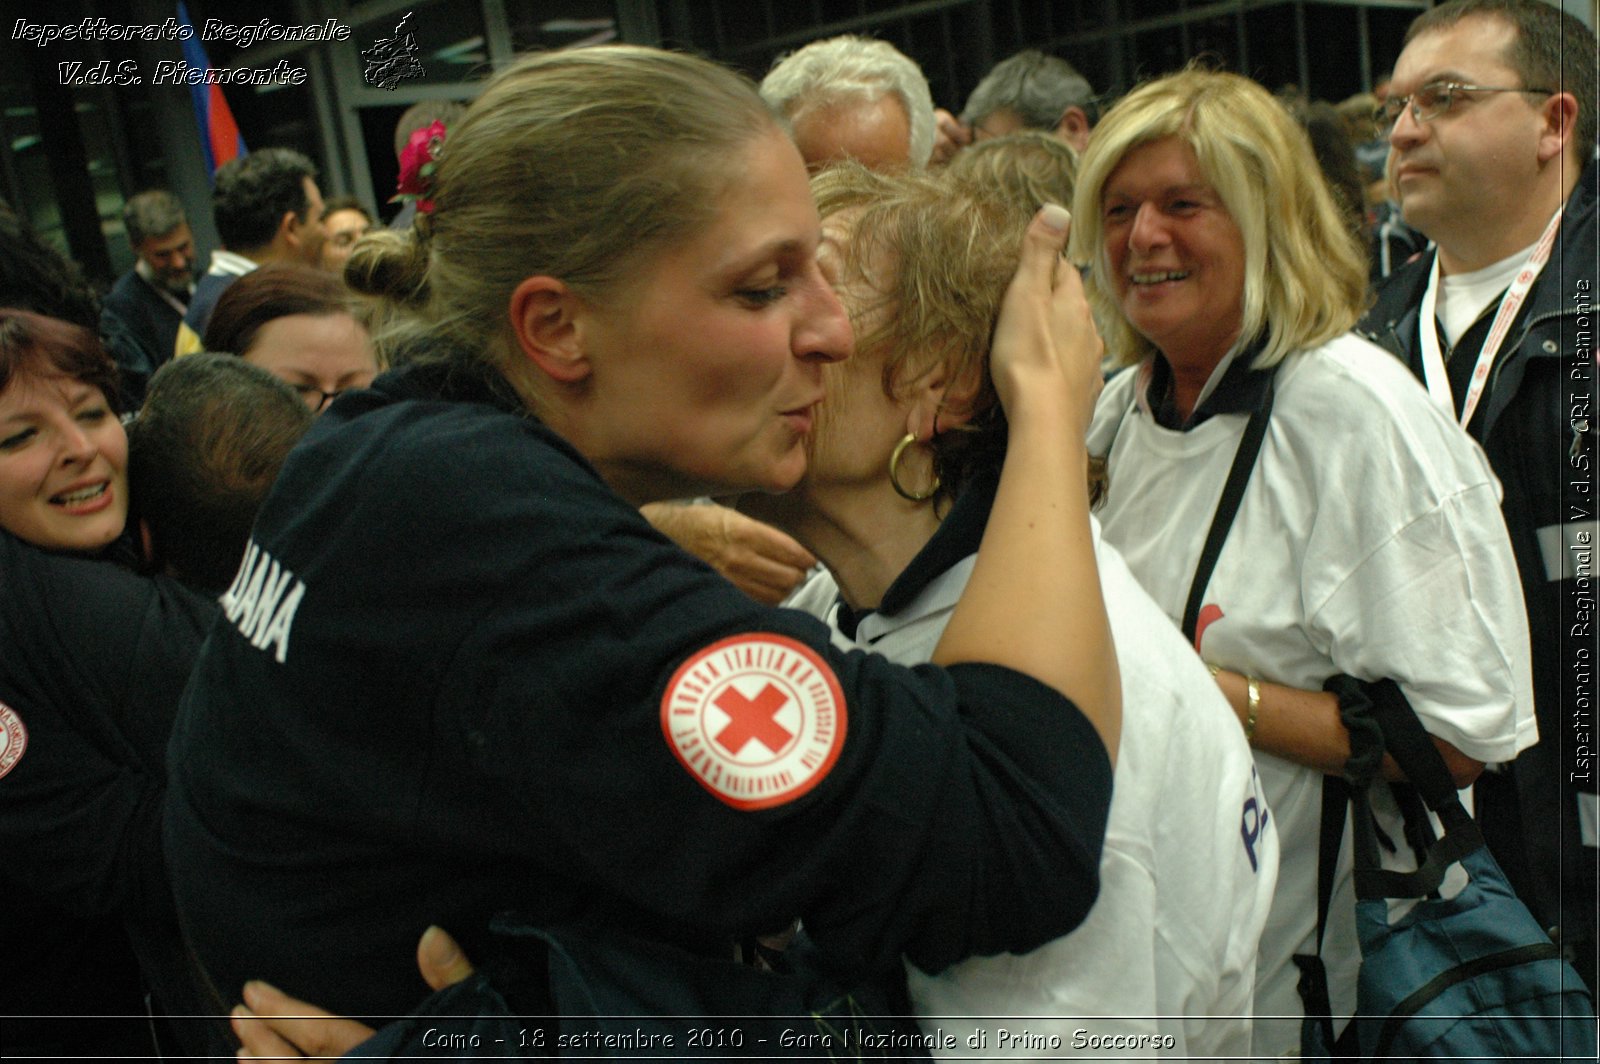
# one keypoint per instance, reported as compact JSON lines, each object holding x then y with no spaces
{"x":1035,"y":588}
{"x":1045,"y":343}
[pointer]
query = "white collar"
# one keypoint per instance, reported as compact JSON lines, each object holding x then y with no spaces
{"x":230,"y":264}
{"x":147,"y":274}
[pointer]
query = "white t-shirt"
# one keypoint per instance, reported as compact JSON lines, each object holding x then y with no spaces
{"x":1164,"y":964}
{"x":1463,"y":297}
{"x":1368,"y":542}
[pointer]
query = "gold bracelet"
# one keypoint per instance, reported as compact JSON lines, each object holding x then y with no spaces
{"x":1252,"y":708}
{"x":1214,"y":668}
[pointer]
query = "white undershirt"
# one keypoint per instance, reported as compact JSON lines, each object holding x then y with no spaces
{"x":1463,"y":297}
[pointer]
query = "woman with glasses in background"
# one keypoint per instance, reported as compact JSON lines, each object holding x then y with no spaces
{"x":297,"y":323}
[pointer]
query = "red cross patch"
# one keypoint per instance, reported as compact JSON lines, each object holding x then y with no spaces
{"x":13,"y":739}
{"x":758,"y":719}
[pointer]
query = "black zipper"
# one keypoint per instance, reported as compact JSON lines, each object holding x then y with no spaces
{"x":1507,"y":958}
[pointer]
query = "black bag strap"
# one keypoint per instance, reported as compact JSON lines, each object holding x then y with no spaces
{"x":1419,"y":834}
{"x":1408,"y":743}
{"x":1244,"y":460}
{"x":1336,"y":798}
{"x":1313,"y":982}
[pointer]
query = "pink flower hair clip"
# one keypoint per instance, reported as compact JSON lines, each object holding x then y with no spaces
{"x":418,"y":162}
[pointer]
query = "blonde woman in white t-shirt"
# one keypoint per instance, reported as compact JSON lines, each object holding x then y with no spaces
{"x":1368,"y":541}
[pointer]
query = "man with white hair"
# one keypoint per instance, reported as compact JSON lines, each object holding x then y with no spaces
{"x":841,"y":98}
{"x":854,"y":98}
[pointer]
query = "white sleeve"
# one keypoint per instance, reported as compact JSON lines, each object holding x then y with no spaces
{"x":1417,"y":584}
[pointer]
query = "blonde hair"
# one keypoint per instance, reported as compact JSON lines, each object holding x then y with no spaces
{"x":1033,"y":167}
{"x":938,"y":255}
{"x":576,"y":165}
{"x":1305,"y":274}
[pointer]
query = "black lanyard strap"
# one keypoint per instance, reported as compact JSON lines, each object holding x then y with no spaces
{"x":1244,"y":460}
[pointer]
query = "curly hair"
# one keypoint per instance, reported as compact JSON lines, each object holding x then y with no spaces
{"x":945,"y":252}
{"x":1033,"y":167}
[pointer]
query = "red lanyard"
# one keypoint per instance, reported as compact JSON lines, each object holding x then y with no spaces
{"x":1433,"y":370}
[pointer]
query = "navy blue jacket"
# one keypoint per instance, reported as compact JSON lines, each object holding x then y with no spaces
{"x":1537,"y":425}
{"x":93,"y":658}
{"x":207,"y":291}
{"x":463,"y":699}
{"x":149,"y":321}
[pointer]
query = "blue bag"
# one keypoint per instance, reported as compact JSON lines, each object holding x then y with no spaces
{"x":1473,"y":977}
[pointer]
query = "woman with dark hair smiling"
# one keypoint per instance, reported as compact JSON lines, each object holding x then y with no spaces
{"x":63,"y":452}
{"x":92,"y":659}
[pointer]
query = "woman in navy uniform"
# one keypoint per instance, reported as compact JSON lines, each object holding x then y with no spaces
{"x":93,"y":657}
{"x":458,"y":673}
{"x":63,"y":488}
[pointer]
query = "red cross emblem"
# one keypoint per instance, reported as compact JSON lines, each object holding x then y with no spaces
{"x":13,"y":739}
{"x":753,"y":719}
{"x":757,"y":719}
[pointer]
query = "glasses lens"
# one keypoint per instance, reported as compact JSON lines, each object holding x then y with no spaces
{"x":1432,"y":101}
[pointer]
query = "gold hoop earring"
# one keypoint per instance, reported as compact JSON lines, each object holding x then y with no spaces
{"x":894,"y":473}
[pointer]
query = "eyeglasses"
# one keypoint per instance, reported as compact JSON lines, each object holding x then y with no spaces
{"x":1434,"y":99}
{"x":316,"y":398}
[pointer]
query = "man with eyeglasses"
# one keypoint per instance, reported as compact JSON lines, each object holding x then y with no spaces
{"x":1491,"y":119}
{"x":1032,"y":90}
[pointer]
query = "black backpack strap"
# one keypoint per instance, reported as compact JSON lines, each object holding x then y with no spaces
{"x":1413,"y":750}
{"x":1409,"y":744}
{"x":1244,"y":460}
{"x":1418,"y":828}
{"x":1337,"y":796}
{"x":1313,"y":983}
{"x":1335,"y":800}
